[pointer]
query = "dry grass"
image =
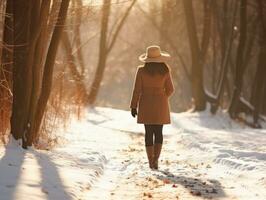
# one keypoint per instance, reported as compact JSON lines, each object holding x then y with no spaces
{"x":65,"y":103}
{"x":5,"y":103}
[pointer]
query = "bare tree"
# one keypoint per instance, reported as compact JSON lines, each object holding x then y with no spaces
{"x":78,"y":76}
{"x":47,"y":77}
{"x":30,"y":95}
{"x":105,"y":46}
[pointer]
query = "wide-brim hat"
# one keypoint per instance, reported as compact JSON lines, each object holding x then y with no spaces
{"x":154,"y":54}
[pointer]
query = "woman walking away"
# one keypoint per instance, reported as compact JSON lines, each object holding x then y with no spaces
{"x":152,"y":88}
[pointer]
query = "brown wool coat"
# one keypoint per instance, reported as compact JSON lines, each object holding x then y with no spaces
{"x":150,"y":95}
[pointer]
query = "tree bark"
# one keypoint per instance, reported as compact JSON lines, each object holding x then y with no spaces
{"x":224,"y":65}
{"x":37,"y":67}
{"x":102,"y":53}
{"x":48,"y":70}
{"x":234,"y":105}
{"x":206,"y":29}
{"x":197,"y":64}
{"x":22,"y":14}
{"x":259,"y":80}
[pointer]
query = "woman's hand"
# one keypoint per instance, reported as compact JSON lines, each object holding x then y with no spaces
{"x":134,"y":112}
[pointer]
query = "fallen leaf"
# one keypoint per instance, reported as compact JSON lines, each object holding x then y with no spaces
{"x":44,"y":191}
{"x":196,"y":193}
{"x":167,"y":162}
{"x":174,"y":186}
{"x":147,"y":194}
{"x":166,"y":181}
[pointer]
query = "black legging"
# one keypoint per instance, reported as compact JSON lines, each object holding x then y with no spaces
{"x":155,"y":129}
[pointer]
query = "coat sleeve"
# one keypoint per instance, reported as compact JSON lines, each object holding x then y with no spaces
{"x":137,"y":90}
{"x":169,"y":87}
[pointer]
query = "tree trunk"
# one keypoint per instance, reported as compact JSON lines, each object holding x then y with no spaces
{"x":225,"y":65}
{"x":166,"y":21}
{"x":26,"y":66}
{"x":37,"y":67}
{"x":48,"y":70}
{"x":102,"y":53}
{"x":260,"y":82}
{"x":78,"y":21}
{"x":22,"y":14}
{"x":105,"y":47}
{"x":197,"y":67}
{"x":206,"y":29}
{"x":234,"y":105}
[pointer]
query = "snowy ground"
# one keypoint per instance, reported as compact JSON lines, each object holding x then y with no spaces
{"x":203,"y":157}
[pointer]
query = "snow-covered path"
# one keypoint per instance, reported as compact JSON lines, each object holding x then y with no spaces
{"x":203,"y":157}
{"x":128,"y":177}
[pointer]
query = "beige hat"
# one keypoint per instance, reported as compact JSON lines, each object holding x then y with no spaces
{"x":154,"y":54}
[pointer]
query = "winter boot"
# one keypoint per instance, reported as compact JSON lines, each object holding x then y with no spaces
{"x":150,"y":155}
{"x":157,"y":152}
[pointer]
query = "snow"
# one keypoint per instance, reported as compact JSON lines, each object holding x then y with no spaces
{"x":103,"y":156}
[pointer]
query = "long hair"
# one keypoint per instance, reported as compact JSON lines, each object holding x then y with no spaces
{"x":153,"y":68}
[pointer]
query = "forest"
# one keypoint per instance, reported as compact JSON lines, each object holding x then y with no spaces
{"x":55,"y":56}
{"x":70,"y":68}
